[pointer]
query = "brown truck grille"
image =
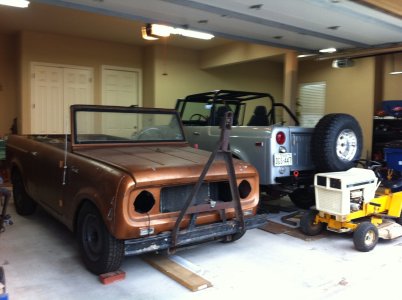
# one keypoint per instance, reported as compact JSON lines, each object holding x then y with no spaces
{"x":173,"y":198}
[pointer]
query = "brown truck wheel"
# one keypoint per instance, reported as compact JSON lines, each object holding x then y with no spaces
{"x":101,"y":252}
{"x":24,"y":205}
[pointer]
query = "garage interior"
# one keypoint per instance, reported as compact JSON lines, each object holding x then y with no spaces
{"x":264,"y":46}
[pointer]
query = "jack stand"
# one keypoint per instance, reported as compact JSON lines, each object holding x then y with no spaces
{"x":221,"y":152}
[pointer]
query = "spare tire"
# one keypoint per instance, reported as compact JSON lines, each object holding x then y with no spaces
{"x":337,"y":143}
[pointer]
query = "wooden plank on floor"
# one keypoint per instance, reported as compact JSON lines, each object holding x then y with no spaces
{"x":185,"y":277}
{"x":273,"y":227}
{"x":295,"y":232}
{"x":277,"y":228}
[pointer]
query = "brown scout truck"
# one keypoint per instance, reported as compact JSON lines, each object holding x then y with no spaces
{"x":127,"y":182}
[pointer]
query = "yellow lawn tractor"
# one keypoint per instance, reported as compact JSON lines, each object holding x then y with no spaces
{"x":348,"y":202}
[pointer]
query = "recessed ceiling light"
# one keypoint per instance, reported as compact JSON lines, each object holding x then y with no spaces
{"x":333,"y":27}
{"x":255,"y":6}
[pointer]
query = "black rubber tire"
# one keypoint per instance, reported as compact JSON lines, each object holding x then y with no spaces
{"x":307,"y":225}
{"x":303,"y":197}
{"x":2,"y":278}
{"x":365,"y":237}
{"x":24,"y":205}
{"x":232,"y":238}
{"x":101,"y":252}
{"x":337,"y":143}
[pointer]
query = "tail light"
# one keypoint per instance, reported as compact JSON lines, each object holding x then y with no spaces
{"x":280,"y":137}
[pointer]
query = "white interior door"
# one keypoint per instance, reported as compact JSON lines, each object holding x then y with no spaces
{"x":78,"y":87}
{"x":121,"y":87}
{"x":53,"y":90}
{"x":47,"y":100}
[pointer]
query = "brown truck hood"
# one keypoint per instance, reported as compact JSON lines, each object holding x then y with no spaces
{"x":150,"y":165}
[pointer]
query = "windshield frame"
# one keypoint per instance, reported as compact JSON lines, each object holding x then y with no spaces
{"x":78,"y":141}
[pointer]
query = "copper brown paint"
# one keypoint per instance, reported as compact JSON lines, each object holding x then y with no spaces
{"x":108,"y":173}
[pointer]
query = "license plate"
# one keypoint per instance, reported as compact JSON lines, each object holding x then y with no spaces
{"x":283,"y":159}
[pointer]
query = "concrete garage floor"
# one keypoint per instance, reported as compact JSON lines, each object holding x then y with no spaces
{"x":41,"y":261}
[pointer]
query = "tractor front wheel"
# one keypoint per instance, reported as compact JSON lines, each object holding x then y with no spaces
{"x":308,"y":225}
{"x":365,"y":237}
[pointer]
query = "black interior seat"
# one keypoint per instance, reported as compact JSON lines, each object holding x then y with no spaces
{"x":260,"y":117}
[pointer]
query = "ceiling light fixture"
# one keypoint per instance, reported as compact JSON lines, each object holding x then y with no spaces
{"x":394,"y":70}
{"x":328,"y":50}
{"x":15,"y":3}
{"x":146,"y":34}
{"x":155,"y":31}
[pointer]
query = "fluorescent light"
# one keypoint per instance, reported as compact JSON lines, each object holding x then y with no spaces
{"x":306,"y":55}
{"x":15,"y":3}
{"x":328,"y":50}
{"x":161,"y":30}
{"x":395,"y":73}
{"x":192,"y":33}
{"x":154,"y":31}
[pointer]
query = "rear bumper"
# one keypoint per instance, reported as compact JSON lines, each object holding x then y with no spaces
{"x":198,"y":235}
{"x":304,"y":177}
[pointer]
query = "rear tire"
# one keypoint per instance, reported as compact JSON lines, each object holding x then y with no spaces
{"x":303,"y":197}
{"x":24,"y":205}
{"x":307,"y":225}
{"x":101,"y":252}
{"x":365,"y":237}
{"x":336,"y":143}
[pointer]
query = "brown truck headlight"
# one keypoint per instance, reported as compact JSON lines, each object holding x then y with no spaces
{"x":144,"y":202}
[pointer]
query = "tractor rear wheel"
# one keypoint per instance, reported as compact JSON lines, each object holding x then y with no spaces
{"x":365,"y":236}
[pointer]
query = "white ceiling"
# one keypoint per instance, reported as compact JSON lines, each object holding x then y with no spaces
{"x":303,"y":25}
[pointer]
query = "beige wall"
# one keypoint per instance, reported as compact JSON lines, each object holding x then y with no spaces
{"x":177,"y":74}
{"x":148,"y":77}
{"x":169,"y":72}
{"x":349,"y":90}
{"x":8,"y":82}
{"x":67,"y":50}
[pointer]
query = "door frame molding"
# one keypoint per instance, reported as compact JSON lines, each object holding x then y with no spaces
{"x":117,"y":68}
